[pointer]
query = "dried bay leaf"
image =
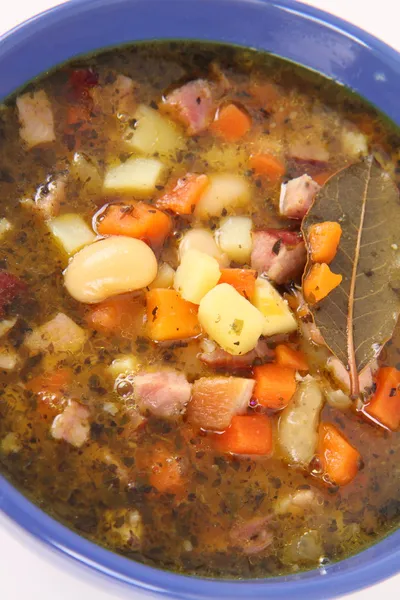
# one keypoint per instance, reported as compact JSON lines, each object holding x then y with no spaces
{"x":358,"y":317}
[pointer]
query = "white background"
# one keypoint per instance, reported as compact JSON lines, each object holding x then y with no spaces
{"x":31,"y":571}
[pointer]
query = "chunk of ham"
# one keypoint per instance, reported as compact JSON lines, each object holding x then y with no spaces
{"x":279,"y":254}
{"x":36,"y":118}
{"x":215,"y":400}
{"x":297,"y":196}
{"x":50,"y":196}
{"x":72,"y":425}
{"x":60,"y":334}
{"x":10,"y":288}
{"x":163,"y":393}
{"x":252,"y":536}
{"x":116,"y":98}
{"x":220,"y":359}
{"x":192,"y":105}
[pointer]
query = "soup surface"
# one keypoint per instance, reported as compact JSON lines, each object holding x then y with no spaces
{"x":164,"y":389}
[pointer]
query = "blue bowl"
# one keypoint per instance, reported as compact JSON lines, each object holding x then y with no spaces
{"x":285,"y":28}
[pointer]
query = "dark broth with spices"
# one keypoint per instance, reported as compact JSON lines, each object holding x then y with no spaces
{"x":102,"y":487}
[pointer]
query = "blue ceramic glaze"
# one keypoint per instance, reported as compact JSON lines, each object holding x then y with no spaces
{"x":288,"y":29}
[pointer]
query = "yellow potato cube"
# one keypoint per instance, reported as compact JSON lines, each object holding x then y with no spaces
{"x":234,"y":238}
{"x":136,"y":175}
{"x":71,"y":232}
{"x":278,"y":317}
{"x":153,"y":133}
{"x":226,"y":191}
{"x":197,"y":274}
{"x":230,"y":320}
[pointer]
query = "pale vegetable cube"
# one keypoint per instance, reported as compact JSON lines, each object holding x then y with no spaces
{"x":8,"y":359}
{"x":71,"y":232}
{"x":278,"y":317}
{"x":36,"y":118}
{"x":135,"y":175}
{"x":10,"y":443}
{"x":202,"y":240}
{"x":5,"y":227}
{"x":226,"y":156}
{"x":153,"y":133}
{"x":226,"y":191}
{"x":164,"y":278}
{"x":230,"y":320}
{"x":234,"y":238}
{"x":61,"y":334}
{"x":197,"y":274}
{"x":111,"y":408}
{"x":126,"y":363}
{"x":298,"y":425}
{"x":6,"y":325}
{"x":85,"y":170}
{"x":354,"y":143}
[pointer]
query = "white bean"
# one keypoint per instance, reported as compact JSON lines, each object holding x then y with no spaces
{"x":109,"y":267}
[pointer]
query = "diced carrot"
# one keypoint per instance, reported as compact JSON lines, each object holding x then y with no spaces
{"x":267,"y":94}
{"x":319,"y":282}
{"x":267,"y":165}
{"x":249,"y":434}
{"x":288,"y":357}
{"x":324,"y":240}
{"x":322,"y":178}
{"x":384,"y":406}
{"x":185,"y":194}
{"x":122,"y":315}
{"x":339,"y":459}
{"x":137,"y":220}
{"x":170,"y":317}
{"x":275,"y":385}
{"x":50,"y":388}
{"x":243,"y":280}
{"x":165,"y":471}
{"x":231,"y":123}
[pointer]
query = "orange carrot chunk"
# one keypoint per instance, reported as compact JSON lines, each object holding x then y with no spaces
{"x":170,"y":317}
{"x":286,"y":356}
{"x":247,"y":435}
{"x":267,"y":165}
{"x":243,"y":280}
{"x":231,"y":123}
{"x":184,"y":195}
{"x":339,"y":459}
{"x":384,"y":406}
{"x":324,"y":240}
{"x":165,"y":471}
{"x":137,"y":220}
{"x":275,"y":385}
{"x":50,"y":388}
{"x":118,"y":315}
{"x":319,"y":282}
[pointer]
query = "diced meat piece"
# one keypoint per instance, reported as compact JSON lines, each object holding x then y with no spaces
{"x":252,"y":536}
{"x":215,"y":400}
{"x":81,"y":81}
{"x":60,"y":334}
{"x":297,"y":196}
{"x":314,"y":151}
{"x":72,"y":425}
{"x":36,"y":118}
{"x":10,"y":288}
{"x":279,"y":254}
{"x":299,"y":502}
{"x":192,"y":105}
{"x":123,"y":528}
{"x":50,"y":196}
{"x":342,"y":377}
{"x":9,"y":359}
{"x":116,"y":98}
{"x":163,"y":393}
{"x":219,"y":359}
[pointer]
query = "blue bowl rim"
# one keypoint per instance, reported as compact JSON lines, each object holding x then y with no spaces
{"x":332,"y":581}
